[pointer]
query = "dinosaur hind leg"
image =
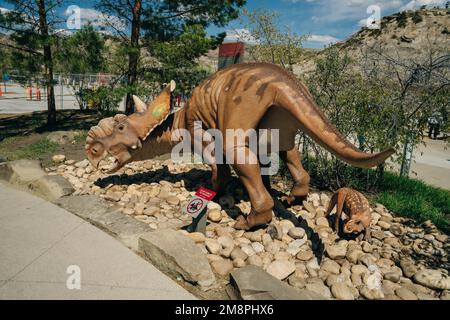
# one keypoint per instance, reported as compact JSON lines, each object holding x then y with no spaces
{"x":301,"y":178}
{"x":261,"y":201}
{"x":220,"y":176}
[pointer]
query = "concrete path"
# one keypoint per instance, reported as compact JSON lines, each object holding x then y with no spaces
{"x":431,"y":163}
{"x":16,"y":100}
{"x":40,"y":241}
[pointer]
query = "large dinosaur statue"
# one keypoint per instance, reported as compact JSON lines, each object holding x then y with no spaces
{"x":242,"y":96}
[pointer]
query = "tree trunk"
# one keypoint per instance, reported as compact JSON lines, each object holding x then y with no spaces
{"x":48,"y":63}
{"x":133,"y":56}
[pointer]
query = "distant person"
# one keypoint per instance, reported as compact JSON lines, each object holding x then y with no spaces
{"x":434,"y":125}
{"x":38,"y":93}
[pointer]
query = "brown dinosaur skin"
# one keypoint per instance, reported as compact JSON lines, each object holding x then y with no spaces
{"x":357,"y":209}
{"x":242,"y":96}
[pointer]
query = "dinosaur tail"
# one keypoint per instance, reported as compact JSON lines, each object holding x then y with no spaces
{"x":314,"y":123}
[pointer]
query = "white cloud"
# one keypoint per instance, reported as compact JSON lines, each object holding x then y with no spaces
{"x":96,"y":18}
{"x":4,"y":10}
{"x":415,"y":4}
{"x":322,"y":39}
{"x":240,"y":35}
{"x":352,"y":10}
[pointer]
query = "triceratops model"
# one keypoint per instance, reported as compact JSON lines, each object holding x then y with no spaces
{"x":242,"y":96}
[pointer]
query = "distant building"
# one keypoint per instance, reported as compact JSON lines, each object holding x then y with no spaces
{"x":231,"y":53}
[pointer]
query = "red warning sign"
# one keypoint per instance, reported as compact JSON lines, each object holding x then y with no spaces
{"x":199,"y":202}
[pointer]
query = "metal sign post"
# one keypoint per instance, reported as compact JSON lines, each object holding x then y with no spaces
{"x":196,"y":207}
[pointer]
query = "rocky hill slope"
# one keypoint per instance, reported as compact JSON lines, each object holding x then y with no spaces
{"x":406,"y":35}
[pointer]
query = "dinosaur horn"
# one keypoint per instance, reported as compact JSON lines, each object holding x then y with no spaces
{"x":156,"y":112}
{"x":172,"y":86}
{"x":139,"y":104}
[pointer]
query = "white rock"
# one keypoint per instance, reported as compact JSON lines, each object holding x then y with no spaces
{"x":432,"y":279}
{"x":213,"y":246}
{"x":57,"y":158}
{"x":281,"y":269}
{"x":296,"y":233}
{"x":248,"y":249}
{"x":336,"y":251}
{"x":198,"y":237}
{"x":330,"y":266}
{"x":215,"y":215}
{"x":226,"y":242}
{"x":258,"y":247}
{"x":255,"y":260}
{"x":342,"y":291}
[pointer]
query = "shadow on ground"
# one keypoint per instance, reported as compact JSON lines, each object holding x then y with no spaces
{"x":24,"y":124}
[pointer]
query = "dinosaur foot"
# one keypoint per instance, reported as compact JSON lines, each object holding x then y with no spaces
{"x":290,"y":200}
{"x":252,"y":221}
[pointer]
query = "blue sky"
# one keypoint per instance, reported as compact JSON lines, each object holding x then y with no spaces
{"x":324,"y":21}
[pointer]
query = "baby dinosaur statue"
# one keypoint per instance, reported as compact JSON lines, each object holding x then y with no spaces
{"x":356,"y":207}
{"x":242,"y":96}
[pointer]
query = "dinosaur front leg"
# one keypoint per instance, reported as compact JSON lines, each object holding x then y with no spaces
{"x":301,"y":178}
{"x":261,"y":201}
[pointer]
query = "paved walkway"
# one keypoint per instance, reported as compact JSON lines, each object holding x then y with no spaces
{"x":39,"y":241}
{"x":431,"y":163}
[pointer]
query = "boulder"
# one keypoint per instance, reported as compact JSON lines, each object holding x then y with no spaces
{"x":405,"y":294}
{"x":255,"y":261}
{"x":58,"y":158}
{"x":336,"y":251}
{"x":51,"y":187}
{"x":213,"y":246}
{"x":197,"y":237}
{"x":215,"y":215}
{"x":305,"y":255}
{"x":316,"y":285}
{"x":371,"y":294}
{"x":62,"y":137}
{"x":330,"y":266}
{"x":342,"y":291}
{"x":432,"y":279}
{"x":222,"y":267}
{"x":237,"y":253}
{"x":408,"y":268}
{"x":281,"y":269}
{"x":21,"y":172}
{"x":253,"y":283}
{"x":296,"y":233}
{"x":173,"y":253}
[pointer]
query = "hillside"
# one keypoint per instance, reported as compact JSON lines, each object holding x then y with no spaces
{"x":406,"y":35}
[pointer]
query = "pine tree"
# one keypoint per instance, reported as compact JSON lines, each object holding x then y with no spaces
{"x":30,"y":26}
{"x":164,"y":21}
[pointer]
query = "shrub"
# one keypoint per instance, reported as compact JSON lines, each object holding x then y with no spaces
{"x":417,"y":17}
{"x":402,"y":19}
{"x":104,"y":99}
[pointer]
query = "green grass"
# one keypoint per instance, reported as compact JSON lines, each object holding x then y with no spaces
{"x":415,"y":199}
{"x":81,"y":137}
{"x":36,"y":150}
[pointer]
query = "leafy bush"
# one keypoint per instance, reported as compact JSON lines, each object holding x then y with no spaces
{"x":417,"y":17}
{"x":402,"y":19}
{"x":104,"y":99}
{"x":357,"y":107}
